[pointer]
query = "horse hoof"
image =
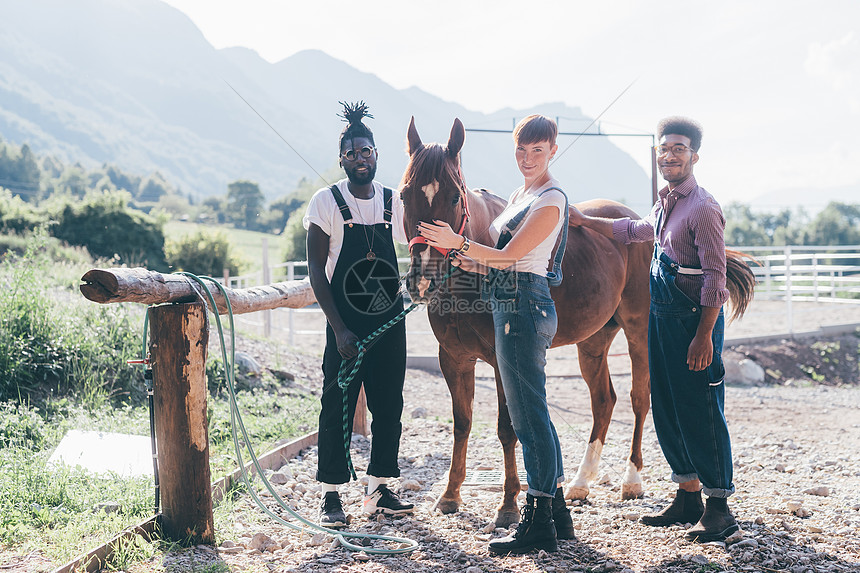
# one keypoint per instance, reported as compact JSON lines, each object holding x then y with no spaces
{"x":576,"y":492}
{"x":506,"y":517}
{"x":631,"y":491}
{"x":447,"y":505}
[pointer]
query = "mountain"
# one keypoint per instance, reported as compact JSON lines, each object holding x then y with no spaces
{"x":135,"y":83}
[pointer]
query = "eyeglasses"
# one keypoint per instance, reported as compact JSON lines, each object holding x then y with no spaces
{"x":677,"y":149}
{"x":352,"y":154}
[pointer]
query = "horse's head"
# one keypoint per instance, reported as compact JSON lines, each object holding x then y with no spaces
{"x":432,"y":189}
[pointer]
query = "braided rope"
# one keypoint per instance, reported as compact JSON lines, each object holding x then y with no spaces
{"x":343,"y":379}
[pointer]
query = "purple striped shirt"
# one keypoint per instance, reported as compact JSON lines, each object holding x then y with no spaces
{"x":692,"y":235}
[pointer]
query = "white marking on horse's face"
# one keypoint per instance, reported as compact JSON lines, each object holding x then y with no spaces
{"x":430,"y":191}
{"x":425,"y":260}
{"x":422,"y":286}
{"x":507,"y":328}
{"x":589,"y":465}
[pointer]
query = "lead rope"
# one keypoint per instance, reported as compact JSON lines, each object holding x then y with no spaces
{"x":343,"y":379}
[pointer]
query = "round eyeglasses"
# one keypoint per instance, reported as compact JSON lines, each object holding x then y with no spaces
{"x":677,"y":149}
{"x":352,"y":154}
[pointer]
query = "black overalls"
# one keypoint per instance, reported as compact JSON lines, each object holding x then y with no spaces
{"x":366,"y":293}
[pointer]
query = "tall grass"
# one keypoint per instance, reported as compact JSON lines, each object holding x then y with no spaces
{"x":54,"y":343}
{"x":62,"y":367}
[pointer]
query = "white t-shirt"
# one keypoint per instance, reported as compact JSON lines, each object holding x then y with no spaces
{"x":324,"y":213}
{"x":536,"y":261}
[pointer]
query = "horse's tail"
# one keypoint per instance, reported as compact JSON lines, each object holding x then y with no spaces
{"x":740,"y":281}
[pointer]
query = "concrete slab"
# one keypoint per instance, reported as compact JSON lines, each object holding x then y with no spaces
{"x":105,"y":452}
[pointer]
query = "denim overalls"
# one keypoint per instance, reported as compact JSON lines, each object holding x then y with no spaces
{"x":525,"y":323}
{"x":687,"y":406}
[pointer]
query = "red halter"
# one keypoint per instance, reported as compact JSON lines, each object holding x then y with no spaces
{"x":419,"y":240}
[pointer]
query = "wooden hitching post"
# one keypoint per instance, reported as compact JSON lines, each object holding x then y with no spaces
{"x":178,"y":341}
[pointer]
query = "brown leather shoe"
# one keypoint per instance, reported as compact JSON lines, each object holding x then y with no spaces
{"x":685,"y":508}
{"x":716,"y":523}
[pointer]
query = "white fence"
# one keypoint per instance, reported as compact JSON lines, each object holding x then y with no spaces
{"x":788,"y":274}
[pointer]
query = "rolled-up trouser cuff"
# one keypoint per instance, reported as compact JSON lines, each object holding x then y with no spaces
{"x":718,"y":492}
{"x":536,"y":493}
{"x":682,"y":478}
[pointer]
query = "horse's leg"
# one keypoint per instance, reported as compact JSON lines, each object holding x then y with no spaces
{"x":636,"y":333}
{"x":460,"y":377}
{"x":595,"y":370}
{"x":508,"y":512}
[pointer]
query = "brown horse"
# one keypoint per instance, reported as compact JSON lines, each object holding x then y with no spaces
{"x":605,"y":289}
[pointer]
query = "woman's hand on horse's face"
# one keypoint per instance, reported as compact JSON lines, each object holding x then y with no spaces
{"x":440,"y":234}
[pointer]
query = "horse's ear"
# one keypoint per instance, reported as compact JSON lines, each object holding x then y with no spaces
{"x":457,"y":137}
{"x":412,"y":138}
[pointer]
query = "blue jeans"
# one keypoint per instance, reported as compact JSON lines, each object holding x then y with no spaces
{"x":525,"y":323}
{"x":687,"y":406}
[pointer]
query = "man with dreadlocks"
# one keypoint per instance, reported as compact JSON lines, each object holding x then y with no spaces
{"x":353,"y":271}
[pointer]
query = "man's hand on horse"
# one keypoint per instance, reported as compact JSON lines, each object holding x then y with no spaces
{"x":440,"y":234}
{"x":575,"y":218}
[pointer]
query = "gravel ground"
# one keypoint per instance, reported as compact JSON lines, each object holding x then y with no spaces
{"x":797,"y":473}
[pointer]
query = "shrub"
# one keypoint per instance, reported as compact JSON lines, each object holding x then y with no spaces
{"x":105,"y":225}
{"x":203,"y":253}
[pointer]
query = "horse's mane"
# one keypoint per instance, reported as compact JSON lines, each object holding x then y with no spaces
{"x":430,"y":164}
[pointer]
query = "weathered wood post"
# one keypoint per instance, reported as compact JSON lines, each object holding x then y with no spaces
{"x":179,"y":334}
{"x":178,"y":342}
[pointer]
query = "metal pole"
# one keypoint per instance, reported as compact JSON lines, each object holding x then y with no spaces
{"x":267,"y":279}
{"x":788,"y":309}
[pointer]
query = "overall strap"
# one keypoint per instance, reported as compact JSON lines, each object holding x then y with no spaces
{"x":387,"y":196}
{"x":341,"y":203}
{"x":555,"y":276}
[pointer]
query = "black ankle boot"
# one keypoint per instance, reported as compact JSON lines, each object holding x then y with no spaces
{"x":535,"y":531}
{"x":716,"y":523}
{"x":561,"y":517}
{"x":685,"y":508}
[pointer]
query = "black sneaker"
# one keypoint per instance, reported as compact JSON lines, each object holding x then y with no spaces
{"x":331,"y":511}
{"x":383,"y":500}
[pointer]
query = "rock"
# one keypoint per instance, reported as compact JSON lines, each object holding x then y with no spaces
{"x":419,"y":412}
{"x":361,"y":556}
{"x":700,"y":559}
{"x":735,"y":538}
{"x":247,"y":365}
{"x":261,"y":541}
{"x":744,"y":371}
{"x":410,"y":484}
{"x":793,"y":506}
{"x":107,"y":507}
{"x":749,"y":543}
{"x":815,"y":529}
{"x":632,"y":516}
{"x":802,"y":512}
{"x":821,"y":490}
{"x":327,"y":561}
{"x":317,"y":539}
{"x":473,"y":569}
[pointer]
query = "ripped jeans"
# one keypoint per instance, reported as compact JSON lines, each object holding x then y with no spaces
{"x":525,"y":323}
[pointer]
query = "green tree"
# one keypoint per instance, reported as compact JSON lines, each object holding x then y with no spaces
{"x":837,"y":224}
{"x":153,"y":187}
{"x":743,"y":227}
{"x":244,"y":203}
{"x":105,"y":225}
{"x":203,"y":253}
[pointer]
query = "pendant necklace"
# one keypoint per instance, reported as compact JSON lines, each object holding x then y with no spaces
{"x":370,"y":256}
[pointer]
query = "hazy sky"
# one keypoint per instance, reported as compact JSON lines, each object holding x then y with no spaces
{"x":776,"y":83}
